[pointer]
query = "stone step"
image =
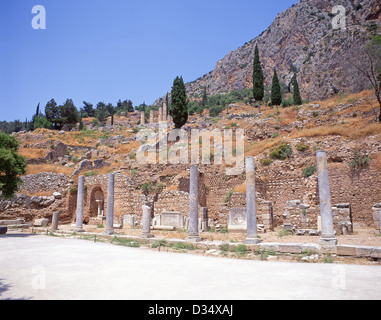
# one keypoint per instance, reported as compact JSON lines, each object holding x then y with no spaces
{"x":3,"y":230}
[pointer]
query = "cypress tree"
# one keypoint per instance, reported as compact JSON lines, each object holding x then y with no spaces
{"x":276,"y":94}
{"x":204,"y":98}
{"x":258,"y":86}
{"x":296,"y":94}
{"x":179,"y":109}
{"x":38,"y":110}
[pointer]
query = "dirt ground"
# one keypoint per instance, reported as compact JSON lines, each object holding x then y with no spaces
{"x":361,"y":236}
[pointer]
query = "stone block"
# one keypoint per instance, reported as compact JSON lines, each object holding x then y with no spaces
{"x":270,"y":246}
{"x":364,"y":251}
{"x":312,"y":247}
{"x":290,"y":248}
{"x":11,"y":222}
{"x":376,"y":253}
{"x":174,"y":219}
{"x":129,"y":221}
{"x":345,"y":250}
{"x":237,"y":219}
{"x":41,"y":222}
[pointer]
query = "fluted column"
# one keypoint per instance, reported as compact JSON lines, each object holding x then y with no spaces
{"x":110,"y":205}
{"x":328,"y":233}
{"x":80,"y":200}
{"x":193,"y":205}
{"x":251,"y":203}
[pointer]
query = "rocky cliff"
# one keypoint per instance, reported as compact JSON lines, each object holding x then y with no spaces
{"x":302,"y":39}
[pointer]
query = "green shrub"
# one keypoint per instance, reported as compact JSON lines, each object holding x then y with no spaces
{"x":241,"y":248}
{"x":302,"y":147}
{"x":309,"y":171}
{"x":284,"y":233}
{"x":228,"y":196}
{"x":182,"y":246}
{"x":360,"y":160}
{"x":225,"y":247}
{"x":281,"y":152}
{"x":266,"y":161}
{"x":126,"y":242}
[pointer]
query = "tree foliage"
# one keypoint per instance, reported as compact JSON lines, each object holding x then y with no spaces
{"x":12,"y":165}
{"x":296,"y":93}
{"x":179,"y":110}
{"x":258,"y":86}
{"x":276,"y":93}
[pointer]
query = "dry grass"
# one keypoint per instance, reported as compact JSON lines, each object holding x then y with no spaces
{"x":38,"y":194}
{"x":125,"y":149}
{"x":37,"y":168}
{"x":241,"y":188}
{"x":352,"y":132}
{"x":257,"y":148}
{"x":33,"y":153}
{"x":288,"y":116}
{"x":376,"y":163}
{"x":343,"y":98}
{"x":172,"y":188}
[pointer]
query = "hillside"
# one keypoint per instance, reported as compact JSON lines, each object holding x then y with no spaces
{"x":344,"y":125}
{"x":301,"y":39}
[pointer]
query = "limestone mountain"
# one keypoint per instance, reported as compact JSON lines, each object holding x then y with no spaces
{"x":302,"y":39}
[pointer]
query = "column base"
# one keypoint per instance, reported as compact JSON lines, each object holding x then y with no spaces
{"x":79,"y":229}
{"x":328,"y":242}
{"x":109,"y":232}
{"x":193,"y":239}
{"x":147,"y":236}
{"x":252,"y":241}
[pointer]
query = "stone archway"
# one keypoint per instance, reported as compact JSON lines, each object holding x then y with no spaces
{"x":97,"y":202}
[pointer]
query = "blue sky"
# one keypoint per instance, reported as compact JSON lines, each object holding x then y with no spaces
{"x":98,"y":50}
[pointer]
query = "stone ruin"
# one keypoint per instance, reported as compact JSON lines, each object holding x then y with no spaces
{"x":304,"y":220}
{"x":376,"y":214}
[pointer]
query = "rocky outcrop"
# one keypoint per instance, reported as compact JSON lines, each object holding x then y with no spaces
{"x":43,"y":182}
{"x":301,"y":39}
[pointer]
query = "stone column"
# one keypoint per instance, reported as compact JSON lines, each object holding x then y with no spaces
{"x":379,"y":220}
{"x":193,"y":205}
{"x":142,"y":118}
{"x":147,"y":223}
{"x":251,"y":203}
{"x":161,"y":114}
{"x":164,"y":112}
{"x":328,"y":233}
{"x":55,"y":220}
{"x":205,"y":220}
{"x":110,"y":205}
{"x":151,"y":117}
{"x":80,"y":200}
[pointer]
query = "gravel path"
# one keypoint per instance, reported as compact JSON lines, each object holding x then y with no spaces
{"x":43,"y":268}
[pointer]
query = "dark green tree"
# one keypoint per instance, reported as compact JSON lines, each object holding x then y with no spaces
{"x":101,"y":112}
{"x":69,"y":113}
{"x":296,"y":92}
{"x":53,"y":112}
{"x":12,"y":165}
{"x":276,"y":93}
{"x":258,"y":86}
{"x":38,"y":110}
{"x":204,"y":98}
{"x":88,"y":108}
{"x":179,"y":110}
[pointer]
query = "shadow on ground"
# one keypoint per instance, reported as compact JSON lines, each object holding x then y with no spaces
{"x":4,"y":287}
{"x":17,"y":235}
